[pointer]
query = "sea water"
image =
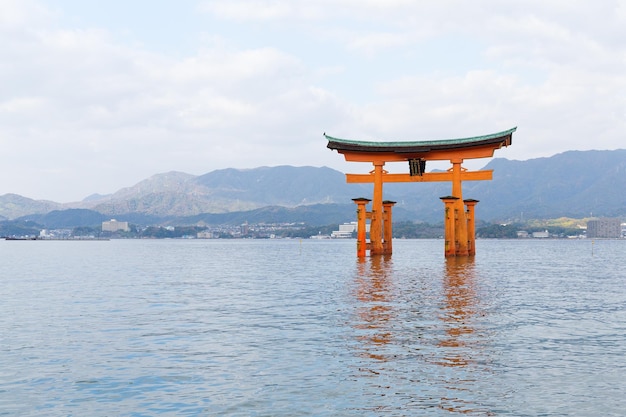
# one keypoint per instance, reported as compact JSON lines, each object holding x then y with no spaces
{"x":304,"y":328}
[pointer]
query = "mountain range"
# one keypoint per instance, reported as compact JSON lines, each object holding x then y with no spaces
{"x":570,"y":184}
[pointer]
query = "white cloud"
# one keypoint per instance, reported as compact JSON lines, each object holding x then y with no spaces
{"x":84,"y":110}
{"x":17,"y":13}
{"x":256,"y":10}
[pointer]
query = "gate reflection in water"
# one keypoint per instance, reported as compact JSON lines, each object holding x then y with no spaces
{"x":376,"y":311}
{"x":420,"y":346}
{"x":459,"y":310}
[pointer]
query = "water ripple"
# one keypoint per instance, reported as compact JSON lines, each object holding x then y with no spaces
{"x":282,"y":328}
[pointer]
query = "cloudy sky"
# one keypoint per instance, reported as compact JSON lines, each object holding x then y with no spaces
{"x":96,"y":96}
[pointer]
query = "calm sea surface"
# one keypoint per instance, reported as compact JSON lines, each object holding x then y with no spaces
{"x":303,"y":328}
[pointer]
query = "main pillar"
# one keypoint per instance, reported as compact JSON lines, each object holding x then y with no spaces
{"x":388,"y":226}
{"x":449,"y":220}
{"x":461,"y":225}
{"x":471,"y":226}
{"x":376,"y":222}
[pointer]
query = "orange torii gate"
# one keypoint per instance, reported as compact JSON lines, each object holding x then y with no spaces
{"x":458,"y":223}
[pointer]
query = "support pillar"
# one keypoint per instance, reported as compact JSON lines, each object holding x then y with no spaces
{"x":376,"y":222}
{"x":449,"y":220}
{"x":471,"y":226}
{"x":387,"y":227}
{"x":461,"y":224}
{"x":361,"y":226}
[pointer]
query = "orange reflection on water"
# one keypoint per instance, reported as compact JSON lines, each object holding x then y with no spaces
{"x":437,"y":351}
{"x":459,"y":310}
{"x":461,"y":346}
{"x":373,"y":290}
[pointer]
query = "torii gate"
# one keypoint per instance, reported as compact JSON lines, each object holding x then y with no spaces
{"x":458,"y":223}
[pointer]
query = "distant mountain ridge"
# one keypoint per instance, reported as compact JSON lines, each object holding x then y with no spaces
{"x":226,"y":190}
{"x":572,"y":184}
{"x":14,"y":205}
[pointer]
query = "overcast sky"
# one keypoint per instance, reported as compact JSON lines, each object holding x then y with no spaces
{"x":97,"y":96}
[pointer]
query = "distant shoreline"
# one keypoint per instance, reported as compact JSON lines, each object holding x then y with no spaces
{"x":56,"y":239}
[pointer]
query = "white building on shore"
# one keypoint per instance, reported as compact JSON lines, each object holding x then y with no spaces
{"x":114,"y":226}
{"x":346,"y":230}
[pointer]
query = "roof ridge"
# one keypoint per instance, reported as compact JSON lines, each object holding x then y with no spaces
{"x":422,"y":142}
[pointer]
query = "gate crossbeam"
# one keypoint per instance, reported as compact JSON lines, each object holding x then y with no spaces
{"x":486,"y":174}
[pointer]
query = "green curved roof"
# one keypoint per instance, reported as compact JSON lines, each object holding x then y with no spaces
{"x":501,"y":139}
